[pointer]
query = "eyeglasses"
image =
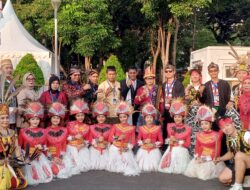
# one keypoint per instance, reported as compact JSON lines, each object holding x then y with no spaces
{"x":168,"y":71}
{"x":213,"y":71}
{"x":30,"y":79}
{"x":76,"y":75}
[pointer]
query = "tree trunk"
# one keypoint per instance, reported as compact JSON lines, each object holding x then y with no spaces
{"x":87,"y":61}
{"x":165,"y":44}
{"x":155,"y":52}
{"x":177,"y":26}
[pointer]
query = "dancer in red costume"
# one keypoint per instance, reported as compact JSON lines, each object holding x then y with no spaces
{"x":122,"y":137}
{"x":39,"y":170}
{"x":99,"y":134}
{"x":56,"y":142}
{"x":78,"y":137}
{"x":207,"y":148}
{"x":176,"y":158}
{"x":149,"y":139}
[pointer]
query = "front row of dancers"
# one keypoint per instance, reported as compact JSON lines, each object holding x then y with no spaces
{"x":66,"y":151}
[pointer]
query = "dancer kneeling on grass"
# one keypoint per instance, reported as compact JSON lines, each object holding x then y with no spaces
{"x":149,"y":139}
{"x":207,"y":148}
{"x":38,"y":171}
{"x":176,"y":158}
{"x":78,"y":138}
{"x":56,"y":142}
{"x":98,"y":138}
{"x":122,"y":137}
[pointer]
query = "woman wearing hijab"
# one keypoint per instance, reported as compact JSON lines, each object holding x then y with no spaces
{"x":27,"y":93}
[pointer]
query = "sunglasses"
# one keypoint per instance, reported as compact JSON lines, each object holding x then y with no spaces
{"x":168,"y":71}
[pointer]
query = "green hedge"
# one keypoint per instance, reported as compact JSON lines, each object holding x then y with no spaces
{"x":186,"y":80}
{"x":29,"y":64}
{"x":112,"y":61}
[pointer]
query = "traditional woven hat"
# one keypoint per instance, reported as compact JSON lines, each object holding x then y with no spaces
{"x":5,"y":62}
{"x":57,"y":109}
{"x":79,"y":106}
{"x":178,"y":107}
{"x":205,"y":113}
{"x":149,"y":72}
{"x":149,"y":109}
{"x":100,"y":108}
{"x":124,"y":108}
{"x":34,"y":109}
{"x":4,"y":109}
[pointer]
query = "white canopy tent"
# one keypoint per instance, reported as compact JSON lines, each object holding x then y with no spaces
{"x":15,"y":42}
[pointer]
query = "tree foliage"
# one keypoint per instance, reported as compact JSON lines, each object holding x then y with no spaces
{"x":29,"y":65}
{"x":112,"y":61}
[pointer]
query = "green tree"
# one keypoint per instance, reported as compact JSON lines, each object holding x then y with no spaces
{"x":29,"y":65}
{"x":112,"y":61}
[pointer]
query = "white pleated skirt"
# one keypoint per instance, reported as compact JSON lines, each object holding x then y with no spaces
{"x":204,"y":171}
{"x":99,"y":159}
{"x":122,"y":162}
{"x":180,"y":159}
{"x":148,"y":160}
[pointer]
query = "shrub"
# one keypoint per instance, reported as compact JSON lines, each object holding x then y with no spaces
{"x":29,"y":64}
{"x":112,"y":61}
{"x":186,"y":80}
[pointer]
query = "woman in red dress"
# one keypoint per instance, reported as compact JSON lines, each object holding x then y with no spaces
{"x":207,"y":148}
{"x":99,"y":134}
{"x":176,"y":158}
{"x":39,"y":170}
{"x":56,"y":142}
{"x":122,"y":137}
{"x":149,"y":139}
{"x":78,"y":137}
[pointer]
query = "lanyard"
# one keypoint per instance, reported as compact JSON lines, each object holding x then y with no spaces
{"x":169,"y":88}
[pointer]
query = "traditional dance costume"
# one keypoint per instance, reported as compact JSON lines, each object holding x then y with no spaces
{"x":38,"y":171}
{"x":176,"y":158}
{"x":56,"y":143}
{"x":149,"y":139}
{"x":98,"y":138}
{"x":10,"y":178}
{"x":122,"y":137}
{"x":77,"y":147}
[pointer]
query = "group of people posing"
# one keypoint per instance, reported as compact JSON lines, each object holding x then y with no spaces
{"x":128,"y":127}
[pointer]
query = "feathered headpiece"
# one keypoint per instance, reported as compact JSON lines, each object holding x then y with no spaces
{"x":178,"y":107}
{"x":34,"y":109}
{"x":149,"y":109}
{"x":242,"y":61}
{"x":205,"y":113}
{"x":57,"y":109}
{"x":79,"y":106}
{"x":4,"y":109}
{"x":100,"y":108}
{"x":124,"y":108}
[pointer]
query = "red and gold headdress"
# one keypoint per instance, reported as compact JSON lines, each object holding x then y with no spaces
{"x":57,"y":109}
{"x":79,"y":106}
{"x":4,"y":109}
{"x":124,"y":108}
{"x":100,"y":108}
{"x":149,"y":72}
{"x":205,"y":113}
{"x":178,"y":107}
{"x":149,"y":109}
{"x":34,"y":109}
{"x":224,"y":121}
